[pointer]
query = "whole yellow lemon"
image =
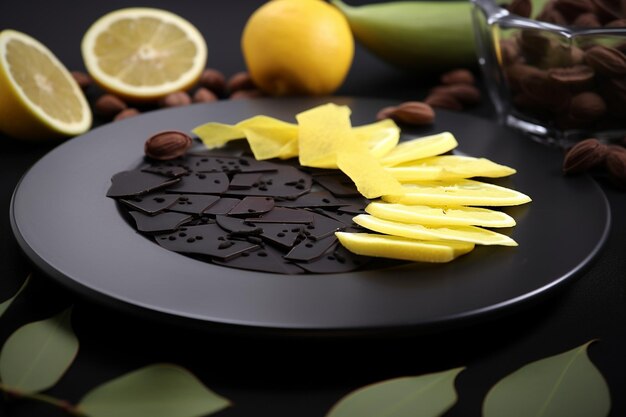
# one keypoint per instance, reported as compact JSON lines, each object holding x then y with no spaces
{"x":297,"y":47}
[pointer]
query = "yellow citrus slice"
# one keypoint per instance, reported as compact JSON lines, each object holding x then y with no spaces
{"x":440,"y":216}
{"x":469,"y":234}
{"x":420,"y":148}
{"x":458,"y":193}
{"x":448,"y":167}
{"x":38,"y":96}
{"x":381,"y":137}
{"x":144,"y":53}
{"x":396,"y":247}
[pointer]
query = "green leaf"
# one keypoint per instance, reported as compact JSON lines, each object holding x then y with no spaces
{"x":37,"y":354}
{"x":419,"y":396}
{"x":7,"y":303}
{"x":567,"y":384}
{"x":160,"y":390}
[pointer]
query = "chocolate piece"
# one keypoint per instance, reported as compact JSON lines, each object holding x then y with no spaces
{"x":336,"y":260}
{"x":229,"y":164}
{"x":197,"y":183}
{"x":160,"y":223}
{"x":286,"y":182}
{"x":206,"y":239}
{"x":237,"y":226}
{"x":322,"y":226}
{"x":165,"y":170}
{"x":313,"y":199}
{"x":136,"y":182}
{"x":243,"y":181}
{"x":194,"y":203}
{"x":251,"y":206}
{"x":267,"y":259}
{"x":151,"y":204}
{"x":310,"y":249}
{"x":283,"y":215}
{"x":222,"y":206}
{"x":338,"y":184}
{"x":352,"y":209}
{"x":343,"y":217}
{"x":282,"y":234}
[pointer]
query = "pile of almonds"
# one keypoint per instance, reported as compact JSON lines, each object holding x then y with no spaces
{"x":457,"y":90}
{"x":212,"y":86}
{"x":591,"y":154}
{"x":568,"y":84}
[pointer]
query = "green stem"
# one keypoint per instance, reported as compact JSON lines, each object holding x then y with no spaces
{"x":43,"y":398}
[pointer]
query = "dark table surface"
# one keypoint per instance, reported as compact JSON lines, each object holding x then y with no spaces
{"x":274,"y":375}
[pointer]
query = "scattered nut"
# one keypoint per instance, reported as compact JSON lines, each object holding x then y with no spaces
{"x":465,"y":93}
{"x":204,"y":95}
{"x":240,"y":81}
{"x":443,"y":101}
{"x":584,"y":156}
{"x":167,"y":145}
{"x":82,"y":79}
{"x":126,"y":113}
{"x":109,"y":105}
{"x":410,"y":112}
{"x":242,"y":94}
{"x":458,"y":76}
{"x":176,"y":99}
{"x":213,"y":80}
{"x":616,"y":166}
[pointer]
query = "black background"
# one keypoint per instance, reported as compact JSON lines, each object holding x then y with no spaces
{"x":288,"y":375}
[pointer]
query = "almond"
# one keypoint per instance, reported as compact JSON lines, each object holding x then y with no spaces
{"x":240,"y":81}
{"x":584,"y":156}
{"x":126,"y":113}
{"x":605,"y":60}
{"x":167,"y":145}
{"x":176,"y":99}
{"x":522,"y":8}
{"x":109,"y":105}
{"x":204,"y":95}
{"x":465,"y":93}
{"x":458,"y":76}
{"x":251,"y":93}
{"x":214,"y":80}
{"x":587,"y":107}
{"x":82,"y":79}
{"x":616,"y":166}
{"x":443,"y":101}
{"x":410,"y":112}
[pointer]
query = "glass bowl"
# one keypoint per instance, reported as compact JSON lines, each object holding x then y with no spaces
{"x":558,"y":82}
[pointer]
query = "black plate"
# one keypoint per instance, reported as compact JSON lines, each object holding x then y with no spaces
{"x":66,"y":225}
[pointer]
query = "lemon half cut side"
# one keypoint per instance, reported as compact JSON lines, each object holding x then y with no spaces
{"x":39,"y":99}
{"x":143,"y":54}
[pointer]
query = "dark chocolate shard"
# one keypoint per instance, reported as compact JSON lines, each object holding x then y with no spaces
{"x":222,"y":206}
{"x":310,"y":249}
{"x":165,"y":170}
{"x":336,"y":260}
{"x":266,"y":259}
{"x":160,"y":223}
{"x":194,"y":203}
{"x":322,"y":226}
{"x":243,"y":181}
{"x":338,"y":184}
{"x":229,"y":164}
{"x":151,"y":204}
{"x":196,"y":183}
{"x":283,"y":215}
{"x":237,"y":226}
{"x":252,"y":206}
{"x":286,"y":182}
{"x":206,"y":239}
{"x":340,"y":216}
{"x":137,"y":182}
{"x":313,"y":199}
{"x":353,"y":209}
{"x":281,"y":234}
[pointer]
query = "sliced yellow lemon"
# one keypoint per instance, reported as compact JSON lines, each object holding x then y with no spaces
{"x":381,"y":137}
{"x":469,"y":234}
{"x":458,"y":193}
{"x":396,"y":247}
{"x":144,"y":53}
{"x":418,"y":148}
{"x":448,"y":167}
{"x":38,"y":96}
{"x":440,"y":216}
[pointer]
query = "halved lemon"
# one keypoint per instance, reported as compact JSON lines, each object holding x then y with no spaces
{"x":38,"y":97}
{"x":143,"y":53}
